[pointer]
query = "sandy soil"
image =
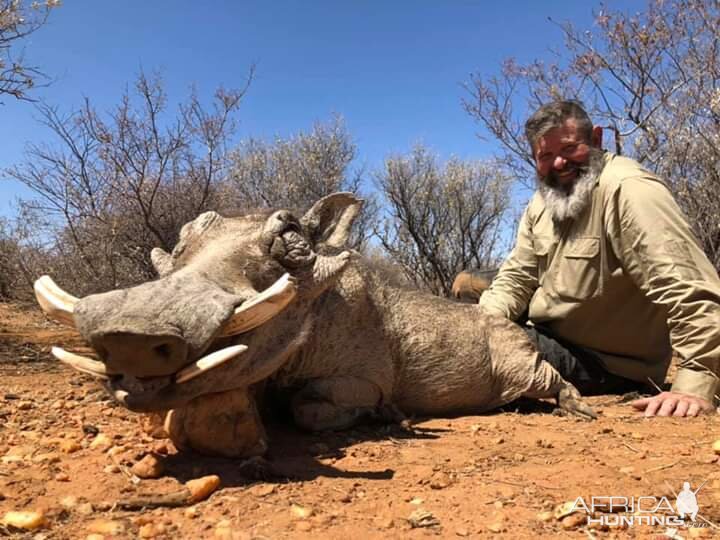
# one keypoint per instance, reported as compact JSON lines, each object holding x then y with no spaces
{"x":67,"y":451}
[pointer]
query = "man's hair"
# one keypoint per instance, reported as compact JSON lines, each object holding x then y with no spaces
{"x":553,"y":115}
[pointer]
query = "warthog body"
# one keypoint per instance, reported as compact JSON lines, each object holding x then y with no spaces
{"x":348,"y":345}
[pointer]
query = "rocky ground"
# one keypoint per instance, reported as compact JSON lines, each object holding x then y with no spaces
{"x":80,"y":467}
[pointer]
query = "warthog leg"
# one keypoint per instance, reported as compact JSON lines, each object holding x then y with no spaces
{"x":548,"y":382}
{"x":335,"y":403}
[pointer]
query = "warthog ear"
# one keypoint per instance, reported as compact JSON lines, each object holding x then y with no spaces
{"x":162,"y":261}
{"x":329,"y":221}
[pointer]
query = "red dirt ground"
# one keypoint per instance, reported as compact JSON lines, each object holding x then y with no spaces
{"x":500,"y":475}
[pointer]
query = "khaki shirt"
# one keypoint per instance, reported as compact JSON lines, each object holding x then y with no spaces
{"x":627,"y":279}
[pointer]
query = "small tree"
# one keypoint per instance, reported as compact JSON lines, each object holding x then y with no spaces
{"x":650,"y":79}
{"x":297,"y":171}
{"x":19,"y":19}
{"x":441,"y":219}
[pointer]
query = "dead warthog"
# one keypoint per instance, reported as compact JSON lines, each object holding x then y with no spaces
{"x":273,"y":299}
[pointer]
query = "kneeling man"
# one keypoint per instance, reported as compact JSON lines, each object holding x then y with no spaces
{"x":608,"y":273}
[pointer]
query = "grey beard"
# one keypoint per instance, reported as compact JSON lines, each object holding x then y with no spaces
{"x":565,"y":206}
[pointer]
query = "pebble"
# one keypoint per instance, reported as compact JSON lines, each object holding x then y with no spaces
{"x":62,"y":477}
{"x":440,"y":480}
{"x":89,"y":429}
{"x":191,"y":512}
{"x":496,"y":527}
{"x":716,"y":447}
{"x":223,"y":529}
{"x":303,"y":526}
{"x":85,"y":509}
{"x":151,"y":530}
{"x":462,"y":531}
{"x":111,"y":469}
{"x":545,"y":516}
{"x":18,"y":453}
{"x":301,"y":512}
{"x":148,"y":467}
{"x":542,"y":443}
{"x":27,"y":520}
{"x":262,"y":490}
{"x":101,"y":442}
{"x":106,"y":526}
{"x":48,"y":457}
{"x":422,"y":518}
{"x":201,"y":488}
{"x":68,"y":446}
{"x":573,"y":521}
{"x":69,"y":502}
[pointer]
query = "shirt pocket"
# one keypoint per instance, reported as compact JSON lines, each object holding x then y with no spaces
{"x":542,"y":247}
{"x":578,"y":273}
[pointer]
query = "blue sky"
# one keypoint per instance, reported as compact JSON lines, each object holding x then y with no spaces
{"x":393,"y":70}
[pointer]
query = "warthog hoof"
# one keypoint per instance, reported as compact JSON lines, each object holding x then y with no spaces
{"x":570,"y":400}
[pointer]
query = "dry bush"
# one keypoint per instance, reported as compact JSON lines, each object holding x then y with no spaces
{"x":297,"y":171}
{"x":114,"y":186}
{"x":441,"y":219}
{"x":651,"y":80}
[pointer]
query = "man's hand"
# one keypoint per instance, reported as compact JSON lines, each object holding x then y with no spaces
{"x":673,"y":404}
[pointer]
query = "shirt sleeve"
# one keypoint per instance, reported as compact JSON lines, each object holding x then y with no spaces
{"x":516,"y":281}
{"x":657,"y":249}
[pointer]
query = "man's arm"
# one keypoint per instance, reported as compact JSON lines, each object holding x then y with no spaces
{"x":517,"y":279}
{"x":659,"y":252}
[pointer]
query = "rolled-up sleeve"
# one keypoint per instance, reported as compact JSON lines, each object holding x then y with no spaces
{"x":516,"y":281}
{"x":657,"y":249}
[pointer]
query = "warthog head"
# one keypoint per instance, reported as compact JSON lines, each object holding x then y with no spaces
{"x":231,"y":305}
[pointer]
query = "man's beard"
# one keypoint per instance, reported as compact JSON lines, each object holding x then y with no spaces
{"x":568,"y":203}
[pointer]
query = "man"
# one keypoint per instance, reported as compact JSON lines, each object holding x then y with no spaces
{"x":609,"y":273}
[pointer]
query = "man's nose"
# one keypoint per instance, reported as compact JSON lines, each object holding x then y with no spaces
{"x":559,"y":162}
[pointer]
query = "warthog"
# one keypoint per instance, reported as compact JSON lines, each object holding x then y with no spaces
{"x":270,"y":299}
{"x":469,"y":285}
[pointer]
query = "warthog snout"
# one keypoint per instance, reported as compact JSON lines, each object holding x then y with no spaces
{"x":141,"y":355}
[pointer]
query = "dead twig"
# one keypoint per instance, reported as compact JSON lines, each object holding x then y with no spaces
{"x":655,"y":385}
{"x":627,"y":445}
{"x":156,"y":500}
{"x":662,"y":467}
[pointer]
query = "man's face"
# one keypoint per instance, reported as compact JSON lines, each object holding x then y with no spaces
{"x":561,"y":155}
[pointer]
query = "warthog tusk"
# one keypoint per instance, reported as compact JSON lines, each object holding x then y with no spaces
{"x":81,"y":363}
{"x":208,"y":362}
{"x":262,"y":308}
{"x":55,"y":302}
